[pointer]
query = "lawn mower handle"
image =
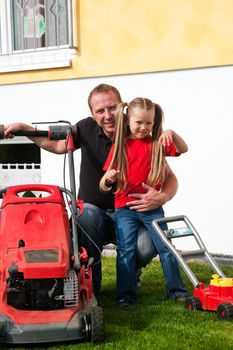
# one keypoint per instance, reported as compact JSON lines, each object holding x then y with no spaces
{"x":55,"y":132}
{"x":60,"y":132}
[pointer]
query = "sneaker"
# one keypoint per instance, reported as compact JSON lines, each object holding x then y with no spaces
{"x":139,"y":283}
{"x":96,"y":288}
{"x":124,"y":303}
{"x":181,"y":298}
{"x":138,"y":275}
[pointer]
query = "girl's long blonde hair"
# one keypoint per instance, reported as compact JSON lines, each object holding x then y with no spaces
{"x":119,"y":159}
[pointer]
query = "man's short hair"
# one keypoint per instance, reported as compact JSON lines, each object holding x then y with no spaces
{"x":103,"y":88}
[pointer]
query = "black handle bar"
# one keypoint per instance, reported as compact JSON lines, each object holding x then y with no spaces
{"x":55,"y":132}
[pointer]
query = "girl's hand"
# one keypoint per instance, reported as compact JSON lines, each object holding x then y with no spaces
{"x":170,"y":136}
{"x":111,"y":176}
{"x":166,"y":138}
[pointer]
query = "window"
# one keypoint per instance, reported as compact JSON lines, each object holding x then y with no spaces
{"x":35,"y":34}
{"x":20,"y":162}
{"x":20,"y":153}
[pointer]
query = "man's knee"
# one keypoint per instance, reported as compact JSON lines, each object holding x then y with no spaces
{"x":145,"y":250}
{"x":92,"y":219}
{"x":96,"y":224}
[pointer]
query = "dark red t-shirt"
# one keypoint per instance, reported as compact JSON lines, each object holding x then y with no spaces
{"x":138,"y":154}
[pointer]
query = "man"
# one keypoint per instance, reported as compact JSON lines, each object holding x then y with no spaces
{"x":95,"y":139}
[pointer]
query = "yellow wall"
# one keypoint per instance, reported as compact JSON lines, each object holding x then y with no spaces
{"x":134,"y":36}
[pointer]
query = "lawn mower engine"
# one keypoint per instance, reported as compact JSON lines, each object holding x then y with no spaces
{"x":41,"y":294}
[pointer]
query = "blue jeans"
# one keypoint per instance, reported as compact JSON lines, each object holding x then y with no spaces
{"x":99,"y":225}
{"x":96,"y":229}
{"x":127,"y":224}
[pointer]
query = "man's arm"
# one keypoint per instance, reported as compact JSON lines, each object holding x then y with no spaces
{"x":58,"y":146}
{"x":153,"y":199}
{"x":170,"y":185}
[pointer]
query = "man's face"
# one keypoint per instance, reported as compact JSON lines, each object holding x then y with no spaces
{"x":103,"y":106}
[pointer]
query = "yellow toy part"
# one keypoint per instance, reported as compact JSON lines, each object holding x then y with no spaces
{"x":221,"y":281}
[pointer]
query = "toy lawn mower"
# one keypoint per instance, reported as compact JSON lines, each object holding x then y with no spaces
{"x":218,"y":295}
{"x":45,"y":277}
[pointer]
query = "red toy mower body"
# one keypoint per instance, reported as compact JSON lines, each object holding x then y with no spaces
{"x":217,"y":296}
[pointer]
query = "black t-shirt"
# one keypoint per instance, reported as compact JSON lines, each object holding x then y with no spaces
{"x":95,"y":146}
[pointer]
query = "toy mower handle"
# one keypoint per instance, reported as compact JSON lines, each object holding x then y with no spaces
{"x":54,"y":132}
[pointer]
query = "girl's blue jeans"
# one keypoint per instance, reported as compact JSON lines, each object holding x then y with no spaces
{"x":96,"y":228}
{"x":127,"y":224}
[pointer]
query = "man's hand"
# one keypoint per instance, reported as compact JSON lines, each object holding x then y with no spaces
{"x":54,"y":146}
{"x":150,"y":200}
{"x":10,"y":129}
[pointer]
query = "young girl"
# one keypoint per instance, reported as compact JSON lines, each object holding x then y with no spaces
{"x":137,"y":158}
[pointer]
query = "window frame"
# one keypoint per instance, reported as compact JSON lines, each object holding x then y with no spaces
{"x":32,"y":59}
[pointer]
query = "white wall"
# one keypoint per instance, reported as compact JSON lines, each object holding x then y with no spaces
{"x":197,"y":104}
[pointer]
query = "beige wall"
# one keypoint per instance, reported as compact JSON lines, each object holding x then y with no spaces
{"x":134,"y":36}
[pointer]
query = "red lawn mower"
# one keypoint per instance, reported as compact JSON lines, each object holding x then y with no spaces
{"x":218,"y":295}
{"x":46,"y":290}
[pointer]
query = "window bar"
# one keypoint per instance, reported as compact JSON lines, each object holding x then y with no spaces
{"x":57,"y":24}
{"x":70,"y":23}
{"x":40,"y":34}
{"x":54,"y":11}
{"x":21,"y":44}
{"x":67,"y":24}
{"x":9,"y":30}
{"x":59,"y":7}
{"x":34,"y":24}
{"x":5,"y":28}
{"x":0,"y":38}
{"x":46,"y":16}
{"x":23,"y":41}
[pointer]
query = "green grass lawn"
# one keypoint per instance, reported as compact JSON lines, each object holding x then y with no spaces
{"x":155,"y":322}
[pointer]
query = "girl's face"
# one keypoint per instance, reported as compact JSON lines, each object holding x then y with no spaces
{"x":141,"y":122}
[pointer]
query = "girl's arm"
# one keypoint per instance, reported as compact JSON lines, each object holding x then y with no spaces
{"x":109,"y":178}
{"x":170,"y":136}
